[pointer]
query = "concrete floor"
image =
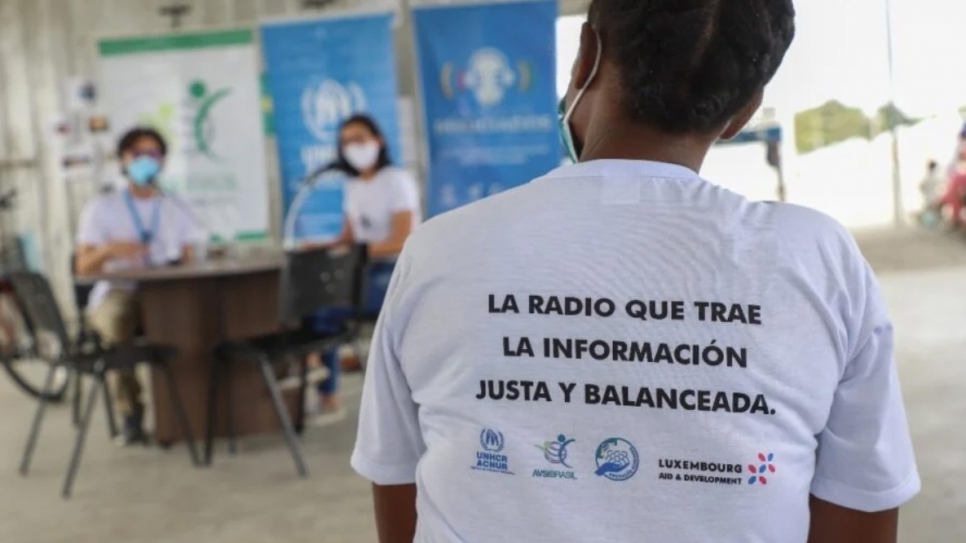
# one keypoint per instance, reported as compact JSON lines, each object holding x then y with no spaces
{"x":147,"y":495}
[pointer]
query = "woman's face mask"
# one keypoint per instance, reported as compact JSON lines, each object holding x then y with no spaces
{"x":362,"y":156}
{"x":564,"y":114}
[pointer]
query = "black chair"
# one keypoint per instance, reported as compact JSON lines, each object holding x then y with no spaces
{"x":86,"y":340}
{"x":82,"y":297}
{"x":312,"y":280}
{"x":34,"y":294}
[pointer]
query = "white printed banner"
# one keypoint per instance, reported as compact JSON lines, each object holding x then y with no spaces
{"x":201,"y":91}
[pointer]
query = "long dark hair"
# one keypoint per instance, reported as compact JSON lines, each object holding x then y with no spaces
{"x":365,"y":120}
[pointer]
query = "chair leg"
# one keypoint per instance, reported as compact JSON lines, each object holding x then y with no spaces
{"x":179,"y":412}
{"x":212,"y":408}
{"x":38,"y":420}
{"x":282,"y":413}
{"x":77,"y":398}
{"x":109,"y":409}
{"x":82,"y":433}
{"x":303,"y":385}
{"x":230,"y":412}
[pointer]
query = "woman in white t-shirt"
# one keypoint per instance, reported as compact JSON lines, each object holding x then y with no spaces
{"x":382,"y":208}
{"x":624,"y":351}
{"x":381,"y":201}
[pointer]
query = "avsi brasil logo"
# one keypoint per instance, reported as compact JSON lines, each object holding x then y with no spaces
{"x":202,"y":126}
{"x":617,"y":459}
{"x":765,"y":466}
{"x":489,"y":458}
{"x":488,"y":76}
{"x":555,"y":452}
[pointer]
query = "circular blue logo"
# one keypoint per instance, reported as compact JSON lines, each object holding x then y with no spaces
{"x":491,"y":440}
{"x":617,"y":459}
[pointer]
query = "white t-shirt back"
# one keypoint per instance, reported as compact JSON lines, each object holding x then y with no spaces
{"x":107,"y":219}
{"x":370,"y":205}
{"x":622,"y":351}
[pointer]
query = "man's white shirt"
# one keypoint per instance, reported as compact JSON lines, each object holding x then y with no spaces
{"x":107,"y":219}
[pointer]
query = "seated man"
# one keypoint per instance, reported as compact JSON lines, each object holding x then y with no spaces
{"x":136,"y":226}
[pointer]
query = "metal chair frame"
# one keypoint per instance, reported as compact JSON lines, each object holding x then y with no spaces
{"x":41,"y":309}
{"x":312,"y":280}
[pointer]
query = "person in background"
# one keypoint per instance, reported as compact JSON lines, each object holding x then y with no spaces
{"x":622,"y":350}
{"x":382,"y":207}
{"x":954,"y":199}
{"x":932,"y":190}
{"x":132,"y":227}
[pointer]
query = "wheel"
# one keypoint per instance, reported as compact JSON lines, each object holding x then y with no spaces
{"x":29,"y":375}
{"x":20,"y":354}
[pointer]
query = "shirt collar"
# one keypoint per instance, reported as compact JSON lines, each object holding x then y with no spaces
{"x":619,"y":167}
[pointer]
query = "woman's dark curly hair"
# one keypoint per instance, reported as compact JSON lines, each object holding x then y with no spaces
{"x":690,"y":65}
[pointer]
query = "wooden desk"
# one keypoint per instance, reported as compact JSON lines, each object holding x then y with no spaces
{"x":194,"y":308}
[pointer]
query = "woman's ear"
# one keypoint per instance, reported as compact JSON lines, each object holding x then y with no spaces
{"x":739,"y":121}
{"x":586,"y":56}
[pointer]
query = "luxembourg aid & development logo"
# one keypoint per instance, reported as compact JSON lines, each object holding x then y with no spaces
{"x":762,"y":470}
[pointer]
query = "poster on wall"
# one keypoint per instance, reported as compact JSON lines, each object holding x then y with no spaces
{"x":489,"y":97}
{"x":80,"y":137}
{"x":201,"y":91}
{"x":319,"y":73}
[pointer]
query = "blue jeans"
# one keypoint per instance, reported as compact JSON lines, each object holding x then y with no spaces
{"x":330,"y":319}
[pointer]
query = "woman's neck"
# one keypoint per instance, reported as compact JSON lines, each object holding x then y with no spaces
{"x":610,"y":135}
{"x":369,"y":175}
{"x":645,"y":144}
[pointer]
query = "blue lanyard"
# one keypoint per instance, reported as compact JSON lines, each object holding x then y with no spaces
{"x":147,"y":236}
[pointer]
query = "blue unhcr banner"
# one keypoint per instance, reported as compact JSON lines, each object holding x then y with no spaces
{"x":488,"y":81}
{"x":320,"y":72}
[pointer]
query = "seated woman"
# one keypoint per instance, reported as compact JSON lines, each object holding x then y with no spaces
{"x":382,"y":207}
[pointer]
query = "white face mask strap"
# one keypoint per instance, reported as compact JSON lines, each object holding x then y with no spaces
{"x":593,"y":74}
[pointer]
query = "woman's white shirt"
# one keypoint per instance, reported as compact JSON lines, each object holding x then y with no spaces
{"x":370,"y":205}
{"x":528,"y":375}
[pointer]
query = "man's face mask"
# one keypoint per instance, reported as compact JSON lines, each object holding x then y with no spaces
{"x":564,"y":114}
{"x":143,"y":169}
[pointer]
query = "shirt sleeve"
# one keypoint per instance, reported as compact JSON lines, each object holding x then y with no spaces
{"x":405,"y":193}
{"x":91,"y":229}
{"x":389,"y":443}
{"x":865,"y":456}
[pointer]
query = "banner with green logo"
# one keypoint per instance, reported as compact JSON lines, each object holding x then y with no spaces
{"x":202,"y":92}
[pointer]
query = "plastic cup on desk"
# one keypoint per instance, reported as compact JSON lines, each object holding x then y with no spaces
{"x":200,"y":251}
